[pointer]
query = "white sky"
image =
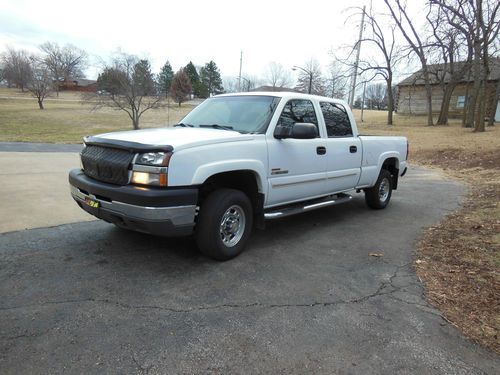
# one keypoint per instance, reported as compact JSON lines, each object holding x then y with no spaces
{"x":290,"y":32}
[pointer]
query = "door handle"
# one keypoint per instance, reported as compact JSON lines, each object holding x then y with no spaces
{"x":353,"y":149}
{"x":321,"y":150}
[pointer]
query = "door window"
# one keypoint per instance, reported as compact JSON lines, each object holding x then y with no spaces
{"x":336,"y":120}
{"x":298,"y":110}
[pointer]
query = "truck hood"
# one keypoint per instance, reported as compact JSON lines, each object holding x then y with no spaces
{"x":179,"y":138}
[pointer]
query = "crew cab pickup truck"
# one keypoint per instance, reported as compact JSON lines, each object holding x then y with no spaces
{"x":233,"y":162}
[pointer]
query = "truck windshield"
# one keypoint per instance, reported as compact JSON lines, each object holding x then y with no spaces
{"x":244,"y":114}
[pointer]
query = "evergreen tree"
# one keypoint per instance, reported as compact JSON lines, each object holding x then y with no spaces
{"x":165,"y":78}
{"x":194,"y":78}
{"x":211,"y":80}
{"x":181,"y":86}
{"x":142,"y":79}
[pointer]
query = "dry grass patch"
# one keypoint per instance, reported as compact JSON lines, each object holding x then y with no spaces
{"x":459,"y":259}
{"x":66,"y":119}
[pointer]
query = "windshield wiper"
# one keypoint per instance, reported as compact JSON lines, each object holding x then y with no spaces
{"x":180,"y":124}
{"x":217,"y":126}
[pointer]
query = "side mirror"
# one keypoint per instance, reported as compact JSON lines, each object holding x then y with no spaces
{"x":299,"y":130}
{"x":303,"y":130}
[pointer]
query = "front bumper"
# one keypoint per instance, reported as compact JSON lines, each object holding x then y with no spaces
{"x":164,"y":212}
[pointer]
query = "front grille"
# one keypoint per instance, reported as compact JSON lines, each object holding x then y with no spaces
{"x":107,"y":164}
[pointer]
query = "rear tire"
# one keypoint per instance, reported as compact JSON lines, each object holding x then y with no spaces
{"x":224,"y":224}
{"x":378,"y":196}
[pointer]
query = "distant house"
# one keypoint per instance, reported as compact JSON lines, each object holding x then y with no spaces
{"x":273,"y":89}
{"x":80,"y":84}
{"x":411,"y":94}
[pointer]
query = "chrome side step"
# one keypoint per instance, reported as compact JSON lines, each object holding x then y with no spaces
{"x":279,"y":212}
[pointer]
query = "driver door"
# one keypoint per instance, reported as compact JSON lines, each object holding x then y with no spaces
{"x":297,"y":167}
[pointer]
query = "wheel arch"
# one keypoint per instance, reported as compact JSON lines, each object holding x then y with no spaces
{"x":390,"y":162}
{"x":245,"y":180}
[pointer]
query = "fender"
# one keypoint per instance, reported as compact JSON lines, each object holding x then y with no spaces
{"x":203,"y":172}
{"x":382,"y":158}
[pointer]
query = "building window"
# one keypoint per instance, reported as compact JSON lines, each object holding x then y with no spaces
{"x":461,"y":101}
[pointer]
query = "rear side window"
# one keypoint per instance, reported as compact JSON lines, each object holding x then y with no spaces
{"x":336,"y":120}
{"x":298,"y":110}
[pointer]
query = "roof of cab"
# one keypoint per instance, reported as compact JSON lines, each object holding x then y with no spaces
{"x":285,"y":95}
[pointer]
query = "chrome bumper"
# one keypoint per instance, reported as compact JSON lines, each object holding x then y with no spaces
{"x":181,"y":215}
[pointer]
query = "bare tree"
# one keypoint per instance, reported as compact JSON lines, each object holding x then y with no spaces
{"x":336,"y":81}
{"x":249,"y":82}
{"x":416,"y":41}
{"x":478,"y":21}
{"x":16,"y":68}
{"x":127,"y":85}
{"x":65,"y":63}
{"x":454,"y":53}
{"x":376,"y":96}
{"x":310,"y":78}
{"x":277,"y":76}
{"x":230,"y":84}
{"x":40,"y":83}
{"x":390,"y":54}
{"x":181,"y":86}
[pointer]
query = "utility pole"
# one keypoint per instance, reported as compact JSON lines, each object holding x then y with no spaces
{"x":358,"y":46}
{"x":363,"y":101}
{"x":239,"y":77}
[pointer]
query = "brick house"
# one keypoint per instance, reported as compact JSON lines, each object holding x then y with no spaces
{"x":79,"y":84}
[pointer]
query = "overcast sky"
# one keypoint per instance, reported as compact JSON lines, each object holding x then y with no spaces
{"x":286,"y":31}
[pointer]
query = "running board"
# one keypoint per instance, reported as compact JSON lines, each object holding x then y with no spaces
{"x":331,"y":200}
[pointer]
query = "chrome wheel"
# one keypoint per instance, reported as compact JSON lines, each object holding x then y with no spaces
{"x":232,"y":225}
{"x":383,"y":191}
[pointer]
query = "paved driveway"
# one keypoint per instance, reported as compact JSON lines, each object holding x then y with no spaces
{"x":305,"y":297}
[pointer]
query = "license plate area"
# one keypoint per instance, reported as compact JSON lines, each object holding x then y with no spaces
{"x":91,"y":202}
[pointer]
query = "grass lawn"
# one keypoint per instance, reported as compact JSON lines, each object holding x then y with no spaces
{"x":458,"y":259}
{"x":66,"y":119}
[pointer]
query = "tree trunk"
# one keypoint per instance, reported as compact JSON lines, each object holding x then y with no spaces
{"x":428,"y":91}
{"x":480,"y":110}
{"x":40,"y":104}
{"x":445,"y":104}
{"x":466,"y":104}
{"x":476,"y":88}
{"x":390,"y":102}
{"x":135,"y":121}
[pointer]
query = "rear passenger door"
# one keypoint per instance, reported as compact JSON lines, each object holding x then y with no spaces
{"x":343,"y":149}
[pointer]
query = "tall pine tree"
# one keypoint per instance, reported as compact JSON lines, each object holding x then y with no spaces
{"x":194,"y":78}
{"x":211,"y":80}
{"x":165,"y":78}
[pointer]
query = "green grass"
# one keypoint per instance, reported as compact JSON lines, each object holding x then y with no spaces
{"x":67,"y":119}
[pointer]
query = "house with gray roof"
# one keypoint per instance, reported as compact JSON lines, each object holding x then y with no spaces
{"x":411,"y":94}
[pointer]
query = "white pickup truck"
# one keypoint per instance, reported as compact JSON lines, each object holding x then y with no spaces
{"x":233,"y":162}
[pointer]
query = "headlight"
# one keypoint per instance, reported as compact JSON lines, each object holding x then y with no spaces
{"x":151,"y":168}
{"x":154,"y":158}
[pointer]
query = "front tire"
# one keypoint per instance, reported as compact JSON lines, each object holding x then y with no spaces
{"x":378,"y":196}
{"x":224,"y":224}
